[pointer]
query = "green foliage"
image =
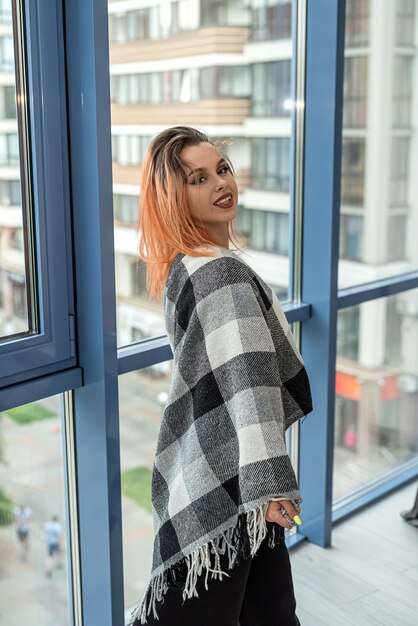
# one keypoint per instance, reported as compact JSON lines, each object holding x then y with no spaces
{"x":28,"y":413}
{"x":6,"y":510}
{"x":136,"y":484}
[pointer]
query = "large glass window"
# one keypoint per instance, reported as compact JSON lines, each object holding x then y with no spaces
{"x":14,"y":308}
{"x":34,"y":585}
{"x":376,"y":410}
{"x":243,"y":99}
{"x":380,"y":147}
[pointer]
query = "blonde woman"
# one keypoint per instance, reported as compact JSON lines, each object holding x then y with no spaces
{"x":223,"y":487}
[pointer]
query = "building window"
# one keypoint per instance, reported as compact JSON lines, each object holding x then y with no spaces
{"x":351,"y":234}
{"x":402,"y":90}
{"x":405,"y":22}
{"x":9,"y":149}
{"x":357,"y":23}
{"x":129,"y":149}
{"x":348,"y":331}
{"x":224,"y":82}
{"x":272,"y":20}
{"x":173,"y":18}
{"x":399,"y":171}
{"x":125,"y":208}
{"x":10,"y":193}
{"x":188,"y":85}
{"x":271,"y":89}
{"x":16,"y":239}
{"x":270,"y":164}
{"x":352,"y":172}
{"x":7,"y":58}
{"x":138,"y":277}
{"x":396,"y":240}
{"x":7,"y":102}
{"x":267,"y":231}
{"x":355,"y":92}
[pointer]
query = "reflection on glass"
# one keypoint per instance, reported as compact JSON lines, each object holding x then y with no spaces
{"x":379,"y":207}
{"x":376,"y":411}
{"x":33,"y":563}
{"x":13,"y":279}
{"x":164,"y":55}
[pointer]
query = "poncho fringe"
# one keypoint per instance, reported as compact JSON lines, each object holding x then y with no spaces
{"x":242,"y":541}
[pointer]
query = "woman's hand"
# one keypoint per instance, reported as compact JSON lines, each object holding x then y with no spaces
{"x":274,"y":512}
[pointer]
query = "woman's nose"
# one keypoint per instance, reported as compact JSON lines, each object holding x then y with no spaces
{"x":220,"y":183}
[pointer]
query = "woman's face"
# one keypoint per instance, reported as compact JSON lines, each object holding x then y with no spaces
{"x":212,"y":192}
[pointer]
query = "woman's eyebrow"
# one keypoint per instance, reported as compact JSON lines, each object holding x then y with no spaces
{"x":203,"y":169}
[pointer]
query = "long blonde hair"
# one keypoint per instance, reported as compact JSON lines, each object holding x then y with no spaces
{"x":165,"y":225}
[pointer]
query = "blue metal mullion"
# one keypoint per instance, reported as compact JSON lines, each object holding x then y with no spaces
{"x":382,"y":288}
{"x":96,"y":419}
{"x":322,"y":167}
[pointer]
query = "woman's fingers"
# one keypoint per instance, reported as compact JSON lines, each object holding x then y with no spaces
{"x":274,"y":514}
{"x":283,"y":512}
{"x":289,"y":508}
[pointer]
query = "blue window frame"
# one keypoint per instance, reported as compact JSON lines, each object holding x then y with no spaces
{"x":49,"y":344}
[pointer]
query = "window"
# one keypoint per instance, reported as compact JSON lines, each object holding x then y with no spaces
{"x":398,"y":195}
{"x":125,"y":208}
{"x":7,"y":102}
{"x":271,"y":19}
{"x":348,"y":329}
{"x":270,"y":164}
{"x":357,"y":23}
{"x":10,"y":193}
{"x":271,"y":89}
{"x":376,"y":397}
{"x":351,"y":235}
{"x":405,"y":22}
{"x":355,"y":92}
{"x":33,"y":514}
{"x":266,"y":230}
{"x":129,"y":149}
{"x":352,"y":172}
{"x":9,"y":149}
{"x":396,"y":249}
{"x":402,"y":90}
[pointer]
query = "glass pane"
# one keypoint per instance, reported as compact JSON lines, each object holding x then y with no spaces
{"x":376,"y":410}
{"x":142,"y":397}
{"x":162,"y":74}
{"x":33,"y":553}
{"x":379,"y":200}
{"x":15,"y":273}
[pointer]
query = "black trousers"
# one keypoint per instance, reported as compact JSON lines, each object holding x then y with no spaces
{"x":258,"y":592}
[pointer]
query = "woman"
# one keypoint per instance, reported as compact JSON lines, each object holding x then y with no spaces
{"x":223,"y":487}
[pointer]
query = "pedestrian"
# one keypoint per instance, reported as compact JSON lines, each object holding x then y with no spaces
{"x":52,"y":535}
{"x":223,"y":487}
{"x":22,"y":515}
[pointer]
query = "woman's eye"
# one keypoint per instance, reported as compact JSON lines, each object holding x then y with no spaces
{"x":198,"y":181}
{"x":224,"y":169}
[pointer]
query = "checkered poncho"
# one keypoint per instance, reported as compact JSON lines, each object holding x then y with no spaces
{"x":238,"y":383}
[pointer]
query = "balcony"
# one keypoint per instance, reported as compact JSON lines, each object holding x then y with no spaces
{"x":216,"y":39}
{"x":230,"y":111}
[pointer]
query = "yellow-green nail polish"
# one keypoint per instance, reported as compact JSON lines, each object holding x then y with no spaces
{"x":297,"y":520}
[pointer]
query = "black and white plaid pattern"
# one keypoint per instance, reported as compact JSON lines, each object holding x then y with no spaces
{"x":238,"y":383}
